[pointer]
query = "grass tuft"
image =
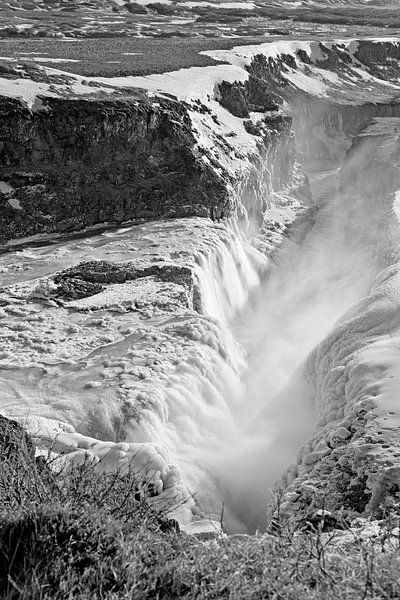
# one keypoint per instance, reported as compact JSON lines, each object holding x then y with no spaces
{"x":81,"y":534}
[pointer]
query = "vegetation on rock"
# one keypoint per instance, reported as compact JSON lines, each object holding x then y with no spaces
{"x":79,"y":534}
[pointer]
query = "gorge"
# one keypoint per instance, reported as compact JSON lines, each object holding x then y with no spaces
{"x":200,"y":280}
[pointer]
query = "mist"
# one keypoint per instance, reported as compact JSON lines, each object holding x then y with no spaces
{"x":315,"y":280}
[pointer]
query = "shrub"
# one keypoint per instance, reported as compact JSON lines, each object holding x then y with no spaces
{"x":81,"y":534}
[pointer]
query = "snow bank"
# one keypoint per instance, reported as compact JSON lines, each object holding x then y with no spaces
{"x":308,"y":76}
{"x":29,"y":91}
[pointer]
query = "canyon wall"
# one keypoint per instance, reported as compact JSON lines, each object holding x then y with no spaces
{"x":75,"y":163}
{"x":349,"y":466}
{"x":344,"y":99}
{"x":71,"y":163}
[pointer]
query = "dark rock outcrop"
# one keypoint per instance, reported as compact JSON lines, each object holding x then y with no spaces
{"x":89,"y":278}
{"x":254,"y":95}
{"x":74,"y":163}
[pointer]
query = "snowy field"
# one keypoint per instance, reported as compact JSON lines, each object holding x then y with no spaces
{"x":173,"y":19}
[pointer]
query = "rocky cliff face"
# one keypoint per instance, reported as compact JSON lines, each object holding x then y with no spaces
{"x":75,"y":163}
{"x":334,"y":89}
{"x":70,"y":163}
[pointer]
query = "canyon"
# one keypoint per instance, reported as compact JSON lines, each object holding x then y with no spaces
{"x":199,"y":277}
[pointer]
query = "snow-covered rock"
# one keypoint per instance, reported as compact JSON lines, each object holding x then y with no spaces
{"x":351,"y":463}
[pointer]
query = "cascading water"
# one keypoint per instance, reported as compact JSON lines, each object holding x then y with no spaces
{"x":217,"y":381}
{"x":313,"y":284}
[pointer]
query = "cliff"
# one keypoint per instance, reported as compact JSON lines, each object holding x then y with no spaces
{"x":67,"y":163}
{"x":75,"y":163}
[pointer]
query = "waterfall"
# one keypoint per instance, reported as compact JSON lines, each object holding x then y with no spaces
{"x":196,"y":379}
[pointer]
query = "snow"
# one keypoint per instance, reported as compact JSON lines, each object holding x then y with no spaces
{"x":23,"y":26}
{"x":240,"y":5}
{"x":15,"y":203}
{"x":65,"y":370}
{"x":313,"y":81}
{"x":40,"y":59}
{"x":180,"y":21}
{"x":146,"y":2}
{"x":309,"y":78}
{"x":25,"y":89}
{"x":5,"y":188}
{"x":242,"y":56}
{"x":330,"y":76}
{"x":28,"y":90}
{"x":186,"y":84}
{"x":203,"y":80}
{"x":308,"y":84}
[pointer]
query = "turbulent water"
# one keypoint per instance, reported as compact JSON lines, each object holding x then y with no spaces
{"x":224,"y":392}
{"x":313,"y":283}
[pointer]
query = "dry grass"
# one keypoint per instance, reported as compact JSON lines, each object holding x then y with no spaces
{"x":86,"y":535}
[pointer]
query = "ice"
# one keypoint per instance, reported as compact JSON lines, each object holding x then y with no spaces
{"x":132,"y":378}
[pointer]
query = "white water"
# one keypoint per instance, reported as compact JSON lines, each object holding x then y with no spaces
{"x":223,"y":393}
{"x":301,"y":298}
{"x":234,"y":429}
